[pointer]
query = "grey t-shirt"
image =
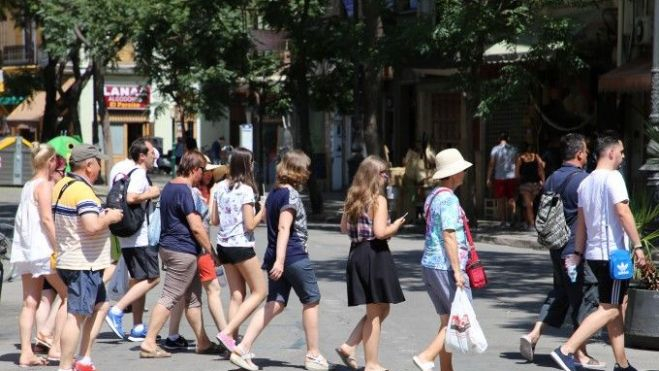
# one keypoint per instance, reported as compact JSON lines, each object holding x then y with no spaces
{"x":504,"y":156}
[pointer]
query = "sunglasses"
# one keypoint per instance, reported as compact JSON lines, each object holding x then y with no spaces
{"x":60,"y":171}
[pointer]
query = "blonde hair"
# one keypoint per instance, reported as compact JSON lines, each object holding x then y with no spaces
{"x":293,"y":169}
{"x":41,"y":154}
{"x":365,"y":189}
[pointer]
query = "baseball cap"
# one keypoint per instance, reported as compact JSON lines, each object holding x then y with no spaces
{"x":81,"y":152}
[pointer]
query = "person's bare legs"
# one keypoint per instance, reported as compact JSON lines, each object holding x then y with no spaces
{"x":175,"y":316}
{"x":196,"y":321}
{"x":251,"y":271}
{"x":92,"y":328}
{"x":511,"y":208}
{"x":260,"y":320}
{"x":606,"y":315}
{"x":159,"y":316}
{"x":502,"y":209}
{"x":60,"y":313}
{"x":436,"y":347}
{"x":69,"y":339}
{"x":32,"y":288}
{"x":375,"y":315}
{"x":237,"y":291}
{"x":527,"y":200}
{"x":213,"y":290}
{"x":348,"y":348}
{"x":310,"y":323}
{"x":136,"y":296}
{"x":45,"y":317}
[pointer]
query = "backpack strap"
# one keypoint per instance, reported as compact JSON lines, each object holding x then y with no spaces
{"x":566,"y":181}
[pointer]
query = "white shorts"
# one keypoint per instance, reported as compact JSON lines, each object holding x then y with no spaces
{"x":36,"y":268}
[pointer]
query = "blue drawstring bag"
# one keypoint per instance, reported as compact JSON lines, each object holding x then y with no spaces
{"x":154,"y":225}
{"x":621,"y":266}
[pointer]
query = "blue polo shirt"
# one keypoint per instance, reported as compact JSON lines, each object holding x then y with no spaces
{"x":569,"y":196}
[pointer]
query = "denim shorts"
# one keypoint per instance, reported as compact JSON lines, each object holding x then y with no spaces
{"x":85,"y":289}
{"x":441,"y":288}
{"x":301,"y":277}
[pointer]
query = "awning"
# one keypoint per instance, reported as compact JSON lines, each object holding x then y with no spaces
{"x":504,"y":52}
{"x":30,"y":111}
{"x":628,"y":78}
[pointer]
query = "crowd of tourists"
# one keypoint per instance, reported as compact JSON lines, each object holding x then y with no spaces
{"x":68,"y":243}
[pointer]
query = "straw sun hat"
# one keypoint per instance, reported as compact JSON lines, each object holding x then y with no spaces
{"x":450,"y":162}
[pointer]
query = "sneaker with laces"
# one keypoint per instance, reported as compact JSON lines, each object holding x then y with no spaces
{"x":227,"y":341}
{"x":566,"y":362}
{"x":78,"y":366}
{"x":179,"y":344}
{"x":628,"y":368}
{"x":114,"y":321}
{"x":137,"y":335}
{"x":317,"y":362}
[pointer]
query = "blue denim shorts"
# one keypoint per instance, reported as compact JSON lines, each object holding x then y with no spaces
{"x":301,"y":277}
{"x":85,"y":289}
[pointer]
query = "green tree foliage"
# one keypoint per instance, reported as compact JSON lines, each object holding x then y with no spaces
{"x":193,"y":50}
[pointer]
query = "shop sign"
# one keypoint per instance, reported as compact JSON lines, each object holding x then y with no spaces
{"x":127,"y":96}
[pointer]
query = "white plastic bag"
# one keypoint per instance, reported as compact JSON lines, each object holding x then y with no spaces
{"x":118,"y":284}
{"x":464,"y":334}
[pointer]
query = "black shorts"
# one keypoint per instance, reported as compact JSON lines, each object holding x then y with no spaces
{"x":610,"y":291}
{"x":234,"y":255}
{"x":142,"y":262}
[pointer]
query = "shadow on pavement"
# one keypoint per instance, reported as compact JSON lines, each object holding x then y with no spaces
{"x":541,"y":360}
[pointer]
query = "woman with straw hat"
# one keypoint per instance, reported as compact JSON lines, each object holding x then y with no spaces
{"x":445,"y":252}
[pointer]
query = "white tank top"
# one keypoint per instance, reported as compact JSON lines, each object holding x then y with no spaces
{"x":30,"y":242}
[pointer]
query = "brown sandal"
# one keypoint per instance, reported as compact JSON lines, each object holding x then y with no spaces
{"x":156,"y":353}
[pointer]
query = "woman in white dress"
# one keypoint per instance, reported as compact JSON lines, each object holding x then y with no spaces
{"x":33,"y":247}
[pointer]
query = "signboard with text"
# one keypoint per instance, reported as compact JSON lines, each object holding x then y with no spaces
{"x":130,"y":97}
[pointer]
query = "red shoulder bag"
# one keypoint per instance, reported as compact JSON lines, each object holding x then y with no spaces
{"x":475,"y":269}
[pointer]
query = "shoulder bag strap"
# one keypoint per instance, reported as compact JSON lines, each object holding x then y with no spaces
{"x":566,"y":181}
{"x":61,"y":193}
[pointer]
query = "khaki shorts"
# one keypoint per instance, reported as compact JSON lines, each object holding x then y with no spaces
{"x":181,"y":279}
{"x":532,"y":188}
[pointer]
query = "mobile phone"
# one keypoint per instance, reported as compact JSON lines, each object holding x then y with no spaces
{"x":405,"y":215}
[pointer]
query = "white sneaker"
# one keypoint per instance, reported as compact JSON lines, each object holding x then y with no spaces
{"x":243,"y":361}
{"x":318,"y":362}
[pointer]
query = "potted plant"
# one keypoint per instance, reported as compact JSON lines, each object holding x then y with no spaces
{"x":641,"y":315}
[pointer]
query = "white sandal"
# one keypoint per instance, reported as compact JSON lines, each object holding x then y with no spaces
{"x":243,"y":361}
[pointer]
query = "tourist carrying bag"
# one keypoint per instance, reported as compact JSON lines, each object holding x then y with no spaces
{"x":475,"y":269}
{"x":553,"y":230}
{"x":621,"y":266}
{"x":464,"y":333}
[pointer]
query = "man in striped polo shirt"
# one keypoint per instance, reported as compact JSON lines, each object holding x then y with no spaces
{"x":81,"y":227}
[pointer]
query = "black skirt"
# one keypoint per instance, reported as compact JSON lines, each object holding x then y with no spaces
{"x":371,"y":274}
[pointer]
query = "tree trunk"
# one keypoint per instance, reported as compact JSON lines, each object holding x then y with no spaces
{"x":371,"y":81}
{"x":51,"y":113}
{"x":99,"y":83}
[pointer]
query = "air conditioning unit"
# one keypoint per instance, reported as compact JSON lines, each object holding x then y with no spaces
{"x":643,"y":30}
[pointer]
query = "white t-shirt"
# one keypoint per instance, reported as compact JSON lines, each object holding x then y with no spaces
{"x":230,"y":203}
{"x":138,"y":184}
{"x":599,"y":187}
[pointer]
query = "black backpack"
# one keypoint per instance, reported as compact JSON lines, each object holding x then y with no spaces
{"x":134,"y":215}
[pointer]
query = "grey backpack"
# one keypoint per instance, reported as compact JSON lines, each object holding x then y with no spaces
{"x":553,"y":230}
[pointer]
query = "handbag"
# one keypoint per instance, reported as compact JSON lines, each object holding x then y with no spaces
{"x":621,"y":266}
{"x":475,"y":269}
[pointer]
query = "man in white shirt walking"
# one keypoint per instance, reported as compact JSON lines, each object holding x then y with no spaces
{"x":141,"y":259}
{"x":603,"y":219}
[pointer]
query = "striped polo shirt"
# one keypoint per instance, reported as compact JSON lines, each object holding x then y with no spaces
{"x":78,"y":249}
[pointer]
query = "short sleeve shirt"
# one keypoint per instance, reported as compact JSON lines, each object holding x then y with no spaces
{"x":278,"y":201}
{"x":139,"y":183}
{"x":445,"y":214}
{"x":598,"y":195}
{"x":504,"y":156}
{"x":176,"y":203}
{"x":78,"y":249}
{"x":230,"y":202}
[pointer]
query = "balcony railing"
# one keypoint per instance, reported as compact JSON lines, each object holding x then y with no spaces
{"x":20,"y":55}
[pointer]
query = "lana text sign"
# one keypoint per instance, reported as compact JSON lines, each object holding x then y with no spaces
{"x":127,"y":96}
